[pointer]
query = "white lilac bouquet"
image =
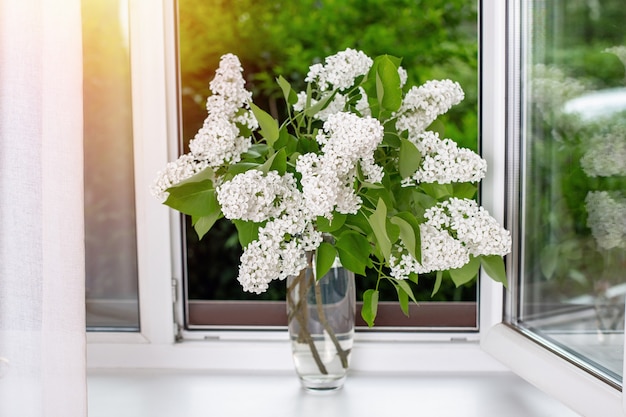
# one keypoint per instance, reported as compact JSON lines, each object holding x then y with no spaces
{"x":354,"y":159}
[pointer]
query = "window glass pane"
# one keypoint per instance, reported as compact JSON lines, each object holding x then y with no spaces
{"x":573,"y":207}
{"x":282,"y":37}
{"x":110,"y":239}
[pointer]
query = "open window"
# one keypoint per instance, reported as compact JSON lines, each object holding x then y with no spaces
{"x":566,"y":206}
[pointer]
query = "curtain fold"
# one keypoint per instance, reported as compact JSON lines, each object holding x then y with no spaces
{"x":42,"y":319}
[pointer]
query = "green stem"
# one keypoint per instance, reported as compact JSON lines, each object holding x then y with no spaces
{"x":343,"y":354}
{"x":299,"y":313}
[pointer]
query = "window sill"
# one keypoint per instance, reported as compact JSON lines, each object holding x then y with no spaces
{"x":195,"y":393}
{"x":552,"y":374}
{"x":245,"y":353}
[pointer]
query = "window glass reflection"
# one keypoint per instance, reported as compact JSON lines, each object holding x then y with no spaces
{"x":110,"y":238}
{"x":574,"y":177}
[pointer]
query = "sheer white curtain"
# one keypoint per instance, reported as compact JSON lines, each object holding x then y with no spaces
{"x":42,"y":324}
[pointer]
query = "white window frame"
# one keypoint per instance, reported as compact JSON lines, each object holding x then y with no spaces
{"x":551,"y":373}
{"x":155,"y":119}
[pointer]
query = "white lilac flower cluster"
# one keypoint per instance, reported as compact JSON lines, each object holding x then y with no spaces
{"x":340,"y":70}
{"x":454,"y":230}
{"x":606,"y":217}
{"x":605,"y":155}
{"x":444,"y":162}
{"x":219,"y":140}
{"x":253,"y":196}
{"x":439,"y":250}
{"x":423,"y":104}
{"x":346,"y":140}
{"x":272,"y":256}
{"x":186,"y":166}
{"x":280,"y":249}
{"x":327,"y":179}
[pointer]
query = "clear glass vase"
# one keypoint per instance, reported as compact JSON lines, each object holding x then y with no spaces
{"x":321,"y":325}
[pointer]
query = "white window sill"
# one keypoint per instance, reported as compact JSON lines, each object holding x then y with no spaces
{"x":553,"y":375}
{"x":246,"y":352}
{"x":139,"y":393}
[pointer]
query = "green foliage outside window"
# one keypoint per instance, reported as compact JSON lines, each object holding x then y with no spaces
{"x":436,"y":39}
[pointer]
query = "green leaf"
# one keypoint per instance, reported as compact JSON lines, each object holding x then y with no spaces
{"x":405,"y":293}
{"x":359,"y":223}
{"x":280,"y":162}
{"x":206,"y":174}
{"x":403,"y":300}
{"x":464,"y":190}
{"x":380,"y":91}
{"x":194,"y":198}
{"x":320,"y":105}
{"x":380,"y":83}
{"x":422,"y":202}
{"x":287,"y":141}
{"x":268,"y":125}
{"x":203,"y":224}
{"x":374,"y":106}
{"x":276,"y":162}
{"x":406,"y":288}
{"x":255,"y":151}
{"x":438,"y":280}
{"x":290,"y":96}
{"x":436,"y":190}
{"x":324,"y":258}
{"x":305,"y":145}
{"x":370,"y":306}
{"x":246,"y":231}
{"x":373,"y":186}
{"x":354,"y":251}
{"x":378,"y":222}
{"x":241,"y":167}
{"x":466,"y":273}
{"x":409,"y":233}
{"x":393,"y":231}
{"x":372,"y":196}
{"x":494,"y":267}
{"x":387,"y":72}
{"x":328,"y":226}
{"x":409,"y":159}
{"x":391,"y":139}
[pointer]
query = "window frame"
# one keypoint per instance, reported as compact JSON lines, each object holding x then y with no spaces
{"x":206,"y":318}
{"x":124,"y":311}
{"x":514,"y":347}
{"x":155,"y":122}
{"x":152,"y":126}
{"x":208,"y":315}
